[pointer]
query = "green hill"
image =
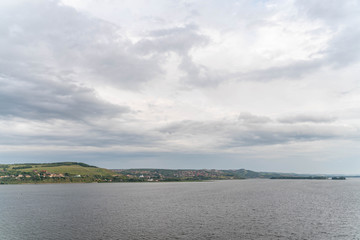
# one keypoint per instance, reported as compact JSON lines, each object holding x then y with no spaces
{"x":53,"y":173}
{"x":71,"y":168}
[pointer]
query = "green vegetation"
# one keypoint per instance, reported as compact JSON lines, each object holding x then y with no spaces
{"x":71,"y":168}
{"x":62,"y":172}
{"x":75,"y":172}
{"x":338,"y":178}
{"x":299,"y":177}
{"x":185,"y":174}
{"x":193,"y":175}
{"x":206,"y":174}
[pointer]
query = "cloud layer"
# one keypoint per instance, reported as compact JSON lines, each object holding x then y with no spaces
{"x":243,"y":84}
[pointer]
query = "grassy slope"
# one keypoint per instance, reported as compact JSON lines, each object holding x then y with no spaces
{"x":70,"y":169}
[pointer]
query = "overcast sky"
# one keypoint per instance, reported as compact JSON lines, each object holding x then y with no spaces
{"x":262,"y":85}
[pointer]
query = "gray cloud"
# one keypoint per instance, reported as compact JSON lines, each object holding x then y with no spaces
{"x":342,"y":50}
{"x":252,"y":130}
{"x":177,"y":39}
{"x":345,"y":48}
{"x":46,"y":38}
{"x":50,"y":54}
{"x":250,"y":118}
{"x":294,"y":70}
{"x":43,"y":100}
{"x":199,"y":75}
{"x":73,"y":134}
{"x":181,"y":40}
{"x":330,"y":11}
{"x":343,"y":18}
{"x":307,"y":119}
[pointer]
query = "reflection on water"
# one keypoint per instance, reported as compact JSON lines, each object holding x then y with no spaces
{"x":244,"y":209}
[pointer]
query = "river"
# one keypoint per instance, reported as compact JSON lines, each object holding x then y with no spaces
{"x":229,"y":209}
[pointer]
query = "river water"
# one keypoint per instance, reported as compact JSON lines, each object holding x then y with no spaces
{"x":234,"y":209}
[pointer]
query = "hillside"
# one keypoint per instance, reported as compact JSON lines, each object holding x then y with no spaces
{"x":52,"y":172}
{"x":69,"y":172}
{"x":206,"y":174}
{"x":192,"y":174}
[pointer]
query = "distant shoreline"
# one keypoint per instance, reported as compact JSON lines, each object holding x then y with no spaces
{"x":77,"y":172}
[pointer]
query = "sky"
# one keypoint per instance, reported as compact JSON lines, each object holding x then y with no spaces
{"x":266,"y":85}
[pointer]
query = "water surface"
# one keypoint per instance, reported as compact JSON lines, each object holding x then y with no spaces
{"x":238,"y":209}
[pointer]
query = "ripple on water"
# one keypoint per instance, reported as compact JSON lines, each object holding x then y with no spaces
{"x":244,"y":209}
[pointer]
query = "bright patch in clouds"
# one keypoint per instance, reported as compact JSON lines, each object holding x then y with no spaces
{"x":264,"y":85}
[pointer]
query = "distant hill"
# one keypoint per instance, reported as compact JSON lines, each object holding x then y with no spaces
{"x":147,"y":174}
{"x":195,"y":174}
{"x":68,"y":172}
